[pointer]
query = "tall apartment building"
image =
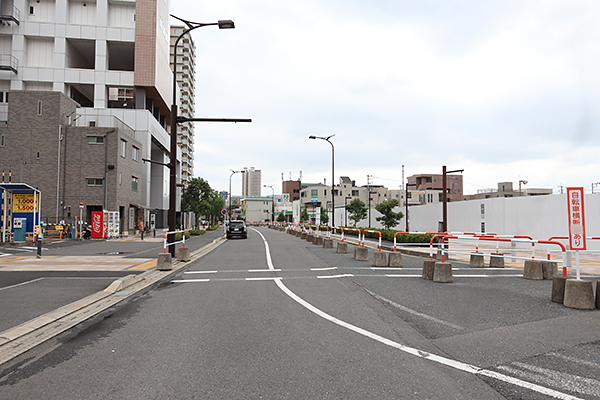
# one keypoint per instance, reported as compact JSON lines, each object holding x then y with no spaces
{"x":251,"y":182}
{"x":186,"y":78}
{"x":109,"y":62}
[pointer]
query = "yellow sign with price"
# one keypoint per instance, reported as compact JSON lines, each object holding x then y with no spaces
{"x":24,"y":203}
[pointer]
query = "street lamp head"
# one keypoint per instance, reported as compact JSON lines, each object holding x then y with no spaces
{"x":312,"y":137}
{"x":226,"y":24}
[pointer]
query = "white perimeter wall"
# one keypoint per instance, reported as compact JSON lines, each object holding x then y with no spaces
{"x":540,"y":217}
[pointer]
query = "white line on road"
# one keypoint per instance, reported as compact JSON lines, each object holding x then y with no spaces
{"x":323,"y":269}
{"x":190,"y":280}
{"x":410,"y":350}
{"x":403,"y":276}
{"x":264,"y":270}
{"x":335,"y":276}
{"x":270,"y":278}
{"x":579,"y":384}
{"x":21,"y":284}
{"x":201,"y":272}
{"x":411,"y":311}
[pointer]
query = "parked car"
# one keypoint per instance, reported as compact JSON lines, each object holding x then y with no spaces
{"x":237,"y":228}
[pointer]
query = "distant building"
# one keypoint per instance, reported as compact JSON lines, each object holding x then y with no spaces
{"x":454,"y":184}
{"x":257,"y":209}
{"x":251,"y":182}
{"x":292,"y":188}
{"x":505,"y":189}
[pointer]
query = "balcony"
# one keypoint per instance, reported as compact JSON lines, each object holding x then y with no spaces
{"x":8,"y":12}
{"x":8,"y":62}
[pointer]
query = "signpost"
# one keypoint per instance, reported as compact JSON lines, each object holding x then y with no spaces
{"x":577,"y":240}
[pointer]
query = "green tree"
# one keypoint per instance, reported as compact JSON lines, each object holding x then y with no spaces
{"x":217,"y":204}
{"x":324,"y":216}
{"x":357,"y":210}
{"x":304,"y":215}
{"x":389,"y":218}
{"x":280,"y":217}
{"x":197,"y":198}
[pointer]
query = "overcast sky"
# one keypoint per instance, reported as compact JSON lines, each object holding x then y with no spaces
{"x":504,"y":89}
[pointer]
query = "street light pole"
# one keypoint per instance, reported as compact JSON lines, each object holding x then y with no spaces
{"x":225,"y":24}
{"x":232,"y":173}
{"x":272,"y":202}
{"x":332,"y":174}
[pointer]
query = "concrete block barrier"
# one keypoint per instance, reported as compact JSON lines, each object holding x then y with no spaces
{"x":395,"y":260}
{"x":496,"y":261}
{"x":164,"y":263}
{"x":428,"y":267}
{"x":318,"y":241}
{"x":361,"y":254}
{"x":477,"y":261}
{"x":579,"y":294}
{"x":342,"y":248}
{"x":379,"y":259}
{"x":442,"y":272}
{"x":549,"y":269}
{"x":558,"y":289}
{"x":328,"y":243}
{"x":533,"y":270}
{"x":183,"y":254}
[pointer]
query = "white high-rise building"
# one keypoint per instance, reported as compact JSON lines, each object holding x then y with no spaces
{"x":186,"y":78}
{"x":251,"y":182}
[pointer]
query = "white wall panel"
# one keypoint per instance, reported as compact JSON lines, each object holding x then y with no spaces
{"x":40,"y":52}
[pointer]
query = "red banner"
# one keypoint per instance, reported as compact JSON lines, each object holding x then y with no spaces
{"x":97,"y":224}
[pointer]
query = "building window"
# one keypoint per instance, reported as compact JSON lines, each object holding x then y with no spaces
{"x":355,"y":193}
{"x":40,"y":107}
{"x":94,"y":182}
{"x":135,"y":153}
{"x":120,"y":178}
{"x":314,"y":192}
{"x":37,"y":155}
{"x":123,"y":148}
{"x":120,"y":94}
{"x":134,"y":183}
{"x":31,"y":10}
{"x":2,"y":141}
{"x":95,"y":139}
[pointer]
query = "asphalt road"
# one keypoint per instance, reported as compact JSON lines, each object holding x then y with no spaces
{"x":25,"y":295}
{"x":292,"y":321}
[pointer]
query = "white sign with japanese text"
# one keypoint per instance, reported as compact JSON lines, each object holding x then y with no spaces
{"x":576,"y":219}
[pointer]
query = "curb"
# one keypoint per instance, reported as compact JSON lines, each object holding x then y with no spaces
{"x":19,"y":339}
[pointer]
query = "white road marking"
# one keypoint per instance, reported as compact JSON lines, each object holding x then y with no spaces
{"x":411,"y":311}
{"x":323,"y":269}
{"x":579,"y":384}
{"x":403,"y":276}
{"x":21,"y":284}
{"x":190,"y":280}
{"x":201,"y":272}
{"x":416,"y":352}
{"x":270,"y":278}
{"x":575,"y":360}
{"x":264,"y":270}
{"x":335,"y":276}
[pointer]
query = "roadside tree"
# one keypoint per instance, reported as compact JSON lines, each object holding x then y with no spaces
{"x":389,"y":218}
{"x":357,"y":210}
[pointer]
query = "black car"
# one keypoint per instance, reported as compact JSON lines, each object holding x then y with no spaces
{"x":237,"y":228}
